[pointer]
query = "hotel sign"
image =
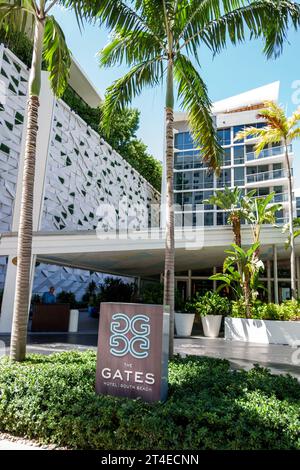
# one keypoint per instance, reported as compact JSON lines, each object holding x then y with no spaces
{"x":132,"y":358}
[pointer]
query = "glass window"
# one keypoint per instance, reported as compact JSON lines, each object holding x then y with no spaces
{"x":178,"y":141}
{"x":239,"y":176}
{"x":277,"y":170}
{"x":201,"y":286}
{"x":203,"y":272}
{"x":226,"y":157}
{"x":183,"y":140}
{"x":224,"y":136}
{"x":239,"y":154}
{"x":209,"y":218}
{"x":222,"y":218}
{"x":237,"y":129}
{"x":224,"y":179}
{"x":178,"y":198}
{"x":208,"y":180}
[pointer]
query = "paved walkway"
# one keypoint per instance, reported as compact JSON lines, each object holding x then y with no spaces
{"x":279,"y":359}
{"x":6,"y":444}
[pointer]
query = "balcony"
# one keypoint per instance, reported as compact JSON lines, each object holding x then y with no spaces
{"x":266,"y":176}
{"x":272,"y":153}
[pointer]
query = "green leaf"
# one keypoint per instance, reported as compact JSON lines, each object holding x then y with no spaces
{"x":57,"y":56}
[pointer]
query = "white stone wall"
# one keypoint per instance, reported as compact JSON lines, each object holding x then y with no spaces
{"x":84,"y":172}
{"x":13,"y":88}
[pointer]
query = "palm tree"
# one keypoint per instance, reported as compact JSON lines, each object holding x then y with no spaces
{"x":286,"y":228}
{"x":156,"y":39}
{"x":246,"y":275}
{"x":260,"y":210}
{"x":278,"y":128}
{"x":48,"y":45}
{"x":232,"y":202}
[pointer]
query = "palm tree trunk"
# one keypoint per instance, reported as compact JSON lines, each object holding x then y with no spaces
{"x":22,"y":294}
{"x":291,"y":224}
{"x":170,"y":240}
{"x":236,"y":228}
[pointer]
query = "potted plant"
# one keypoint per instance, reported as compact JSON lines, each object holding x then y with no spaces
{"x":184,"y":319}
{"x":211,"y":307}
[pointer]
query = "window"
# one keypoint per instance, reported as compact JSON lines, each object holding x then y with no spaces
{"x":224,"y":179}
{"x":222,"y":218}
{"x":226,"y":157}
{"x":237,"y":129}
{"x":209,"y":218}
{"x":239,"y":154}
{"x":186,"y":160}
{"x":183,"y":140}
{"x":277,"y":170}
{"x":224,"y":136}
{"x":239,"y":176}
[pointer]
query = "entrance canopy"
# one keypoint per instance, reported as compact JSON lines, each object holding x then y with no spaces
{"x":142,"y":253}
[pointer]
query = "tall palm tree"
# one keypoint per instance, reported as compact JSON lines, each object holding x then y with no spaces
{"x":279,"y":128}
{"x":49,"y":46}
{"x":159,"y":40}
{"x":260,"y":211}
{"x":232,"y":202}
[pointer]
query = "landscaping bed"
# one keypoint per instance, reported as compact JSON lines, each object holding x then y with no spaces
{"x":52,"y":399}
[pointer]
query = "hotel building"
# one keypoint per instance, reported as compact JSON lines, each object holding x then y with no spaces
{"x":77,"y":171}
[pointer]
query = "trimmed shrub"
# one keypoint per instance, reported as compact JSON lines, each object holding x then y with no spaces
{"x":289,"y":310}
{"x":211,"y":303}
{"x":52,"y":398}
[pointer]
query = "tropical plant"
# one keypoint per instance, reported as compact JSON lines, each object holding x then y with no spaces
{"x":159,"y":40}
{"x":49,"y":46}
{"x":211,"y":303}
{"x":116,"y":290}
{"x":67,"y":298}
{"x":259,"y":211}
{"x":278,"y":129}
{"x":242,"y":266}
{"x":286,"y":228}
{"x":232,"y":202}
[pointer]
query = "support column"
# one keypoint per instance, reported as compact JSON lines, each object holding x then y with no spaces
{"x":138,"y":285}
{"x":214,"y":281}
{"x":298,"y":275}
{"x":276,"y":293}
{"x":47,"y":103}
{"x":7,"y":307}
{"x":269,"y":281}
{"x":189,"y":292}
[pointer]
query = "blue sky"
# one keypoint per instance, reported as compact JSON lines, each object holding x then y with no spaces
{"x":235,"y":70}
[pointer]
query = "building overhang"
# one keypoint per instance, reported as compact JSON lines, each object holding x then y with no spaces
{"x":142,"y":253}
{"x":251,"y":100}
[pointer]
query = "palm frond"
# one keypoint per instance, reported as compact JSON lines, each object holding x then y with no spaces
{"x":274,"y":115}
{"x":56,"y":55}
{"x":129,"y":47}
{"x":192,"y":92}
{"x":294,"y":134}
{"x":123,"y":90}
{"x":294,"y":119}
{"x":259,"y":18}
{"x":17,"y":16}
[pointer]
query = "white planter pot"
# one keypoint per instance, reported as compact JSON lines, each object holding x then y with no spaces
{"x":211,"y":325}
{"x":73,"y":322}
{"x":184,"y":323}
{"x":262,"y":331}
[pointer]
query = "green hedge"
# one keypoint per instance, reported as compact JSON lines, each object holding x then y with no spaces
{"x":289,"y":310}
{"x":209,"y":407}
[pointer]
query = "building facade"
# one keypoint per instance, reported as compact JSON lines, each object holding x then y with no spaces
{"x":76,"y":172}
{"x":267,"y":173}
